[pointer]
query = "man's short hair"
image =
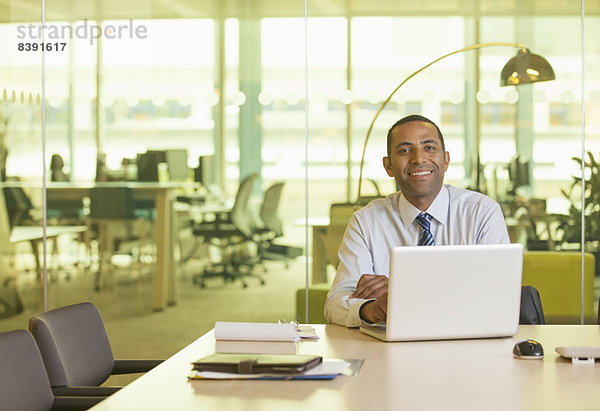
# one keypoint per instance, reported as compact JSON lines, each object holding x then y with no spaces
{"x":408,"y":119}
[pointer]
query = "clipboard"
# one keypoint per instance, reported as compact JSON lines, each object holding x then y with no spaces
{"x":257,"y":363}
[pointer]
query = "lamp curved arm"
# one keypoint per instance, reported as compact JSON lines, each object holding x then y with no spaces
{"x":387,"y":100}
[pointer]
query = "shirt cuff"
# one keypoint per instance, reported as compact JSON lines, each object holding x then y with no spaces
{"x":355,"y":312}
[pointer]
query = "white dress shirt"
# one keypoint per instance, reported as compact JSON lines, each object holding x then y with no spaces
{"x":459,"y":217}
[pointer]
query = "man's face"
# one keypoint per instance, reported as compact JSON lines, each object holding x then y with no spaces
{"x":417,"y":162}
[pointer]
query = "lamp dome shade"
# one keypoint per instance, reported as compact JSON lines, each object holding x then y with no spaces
{"x":525,"y":68}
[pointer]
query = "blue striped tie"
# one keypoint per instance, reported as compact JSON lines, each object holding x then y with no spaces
{"x":424,"y":220}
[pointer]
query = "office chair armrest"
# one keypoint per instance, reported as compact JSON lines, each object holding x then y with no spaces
{"x":84,"y":391}
{"x":134,"y":366}
{"x":197,"y":199}
{"x":75,"y":403}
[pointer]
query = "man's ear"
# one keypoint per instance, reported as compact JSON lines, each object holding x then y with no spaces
{"x":387,"y":164}
{"x":446,"y":160}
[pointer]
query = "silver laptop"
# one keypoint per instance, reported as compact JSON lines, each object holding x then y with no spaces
{"x":451,"y":292}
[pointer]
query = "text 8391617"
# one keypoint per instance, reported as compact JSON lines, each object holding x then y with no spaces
{"x":41,"y":46}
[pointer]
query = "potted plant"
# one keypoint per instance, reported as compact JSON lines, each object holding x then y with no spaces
{"x":569,"y":225}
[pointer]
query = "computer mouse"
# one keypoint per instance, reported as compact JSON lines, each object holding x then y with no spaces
{"x":529,"y":350}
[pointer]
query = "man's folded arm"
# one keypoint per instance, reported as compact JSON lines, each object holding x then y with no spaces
{"x":340,"y":308}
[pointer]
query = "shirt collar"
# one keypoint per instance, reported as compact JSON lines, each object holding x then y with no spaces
{"x":438,"y":208}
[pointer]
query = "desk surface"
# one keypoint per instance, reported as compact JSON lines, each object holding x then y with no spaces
{"x":28,"y":233}
{"x":445,"y":375}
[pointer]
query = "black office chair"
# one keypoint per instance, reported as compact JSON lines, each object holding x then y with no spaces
{"x":21,"y":212}
{"x":532,"y":311}
{"x":77,"y":352}
{"x":231,"y":232}
{"x":19,"y":206}
{"x":24,"y":384}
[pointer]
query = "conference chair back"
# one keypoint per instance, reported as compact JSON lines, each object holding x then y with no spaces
{"x":24,"y":384}
{"x":74,"y":345}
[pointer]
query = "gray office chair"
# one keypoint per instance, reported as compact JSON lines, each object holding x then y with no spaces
{"x":270,"y":228}
{"x":230,"y":231}
{"x":269,"y":210}
{"x":77,"y":352}
{"x":24,"y":384}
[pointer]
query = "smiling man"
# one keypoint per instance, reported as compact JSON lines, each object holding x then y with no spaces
{"x":424,"y":212}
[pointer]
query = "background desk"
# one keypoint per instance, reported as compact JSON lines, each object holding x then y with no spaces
{"x":320,"y":260}
{"x":444,"y":375}
{"x":163,"y":195}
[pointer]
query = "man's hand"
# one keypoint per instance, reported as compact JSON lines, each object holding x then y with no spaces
{"x":374,"y":311}
{"x":371,"y":286}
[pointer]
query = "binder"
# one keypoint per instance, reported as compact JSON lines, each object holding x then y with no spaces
{"x":257,"y":363}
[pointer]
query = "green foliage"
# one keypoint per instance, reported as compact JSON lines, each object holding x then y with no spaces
{"x":570,"y":224}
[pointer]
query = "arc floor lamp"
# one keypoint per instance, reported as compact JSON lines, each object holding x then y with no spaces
{"x":523,"y":68}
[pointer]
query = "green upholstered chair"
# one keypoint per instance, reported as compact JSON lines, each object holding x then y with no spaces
{"x":557,"y":277}
{"x":317,"y":294}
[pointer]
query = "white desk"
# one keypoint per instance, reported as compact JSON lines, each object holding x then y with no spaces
{"x":445,"y":375}
{"x":29,"y":233}
{"x":35,"y":235}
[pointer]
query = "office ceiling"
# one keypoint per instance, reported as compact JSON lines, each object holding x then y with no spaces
{"x":70,"y":10}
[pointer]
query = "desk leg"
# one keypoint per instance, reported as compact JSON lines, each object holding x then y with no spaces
{"x":39,"y":269}
{"x":319,"y":260}
{"x":172,"y":289}
{"x":38,"y":263}
{"x":164,"y":250}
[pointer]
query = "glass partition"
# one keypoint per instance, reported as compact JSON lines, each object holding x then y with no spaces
{"x":23,"y":253}
{"x":133,"y":133}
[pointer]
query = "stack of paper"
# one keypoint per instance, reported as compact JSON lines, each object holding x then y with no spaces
{"x":266,"y":347}
{"x":238,"y":331}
